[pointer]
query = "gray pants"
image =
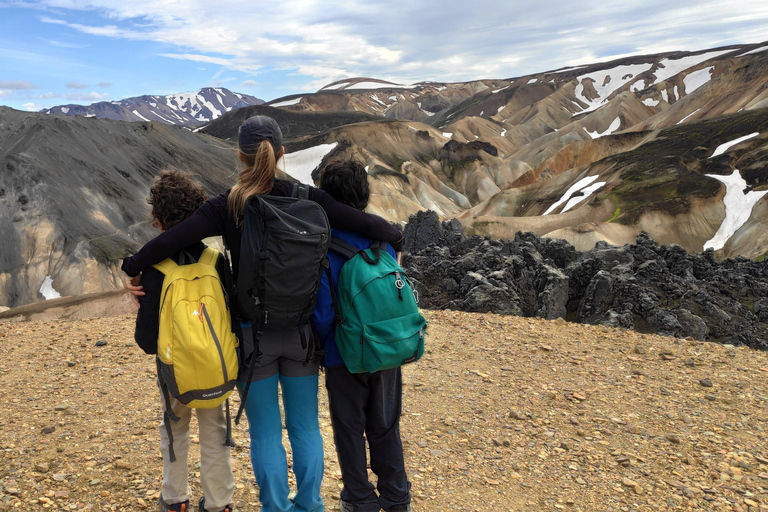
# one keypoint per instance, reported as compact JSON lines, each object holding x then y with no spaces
{"x":216,"y":476}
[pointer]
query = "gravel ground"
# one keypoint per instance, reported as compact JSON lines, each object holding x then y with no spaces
{"x":502,"y":414}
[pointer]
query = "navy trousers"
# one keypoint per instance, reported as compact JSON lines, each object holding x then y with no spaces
{"x":368,"y":406}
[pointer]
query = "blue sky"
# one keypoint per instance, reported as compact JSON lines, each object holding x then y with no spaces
{"x":54,"y":52}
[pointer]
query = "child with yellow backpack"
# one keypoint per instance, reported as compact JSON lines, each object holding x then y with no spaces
{"x":184,"y":318}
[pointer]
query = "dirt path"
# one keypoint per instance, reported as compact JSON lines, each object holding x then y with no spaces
{"x":502,"y":414}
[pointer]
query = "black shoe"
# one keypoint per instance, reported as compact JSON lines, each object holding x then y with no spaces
{"x":201,"y":506}
{"x":175,"y":507}
{"x":401,"y":508}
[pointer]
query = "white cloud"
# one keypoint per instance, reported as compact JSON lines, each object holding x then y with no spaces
{"x":75,"y":96}
{"x":17,"y":85}
{"x":410,"y":41}
{"x":61,"y":44}
{"x":104,"y":84}
{"x":200,"y":58}
{"x":249,"y":83}
{"x":33,"y":107}
{"x":76,"y":85}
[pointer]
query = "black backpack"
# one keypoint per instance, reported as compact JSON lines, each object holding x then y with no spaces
{"x":282,"y":257}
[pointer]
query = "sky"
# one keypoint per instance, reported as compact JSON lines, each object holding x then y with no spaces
{"x":56,"y":52}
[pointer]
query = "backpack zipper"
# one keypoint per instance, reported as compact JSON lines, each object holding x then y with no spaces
{"x":216,"y":341}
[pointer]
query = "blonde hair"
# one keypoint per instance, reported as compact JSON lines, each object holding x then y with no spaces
{"x":255,"y":178}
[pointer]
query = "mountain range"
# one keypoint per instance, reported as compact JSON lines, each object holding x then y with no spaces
{"x":186,"y":108}
{"x":673,"y":144}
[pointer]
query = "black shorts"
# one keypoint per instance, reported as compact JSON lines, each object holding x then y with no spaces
{"x":285,"y":353}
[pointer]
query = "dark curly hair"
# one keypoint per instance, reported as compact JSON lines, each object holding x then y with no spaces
{"x":347,"y":182}
{"x":174,"y":196}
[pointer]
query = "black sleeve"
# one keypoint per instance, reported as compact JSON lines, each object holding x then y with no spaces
{"x":202,"y":224}
{"x":148,"y":317}
{"x":345,"y":217}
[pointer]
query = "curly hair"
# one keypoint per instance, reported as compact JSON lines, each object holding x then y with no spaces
{"x":174,"y":196}
{"x":347,"y":182}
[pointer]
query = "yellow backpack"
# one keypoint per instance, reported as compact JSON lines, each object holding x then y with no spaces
{"x":196,"y":348}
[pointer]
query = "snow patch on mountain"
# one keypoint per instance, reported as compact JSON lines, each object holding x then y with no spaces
{"x":605,"y":83}
{"x":583,"y":194}
{"x":756,"y":50}
{"x":686,"y":117}
{"x":722,"y":148}
{"x":47,"y":290}
{"x":670,"y":67}
{"x":615,"y":124}
{"x":286,"y":103}
{"x":300,"y":164}
{"x":696,"y":79}
{"x":136,"y":113}
{"x":738,"y":207}
{"x":582,"y":183}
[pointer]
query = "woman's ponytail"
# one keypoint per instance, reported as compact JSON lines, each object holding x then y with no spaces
{"x":257,"y":177}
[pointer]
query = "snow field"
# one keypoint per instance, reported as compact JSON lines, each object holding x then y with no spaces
{"x":696,"y":79}
{"x":287,"y":102}
{"x":606,"y":82}
{"x":722,"y":148}
{"x":586,"y":192}
{"x":738,"y":207}
{"x":300,"y":164}
{"x":615,"y":124}
{"x":47,"y":290}
{"x":686,"y":117}
{"x":756,"y":50}
{"x":579,"y":185}
{"x":136,"y":113}
{"x":670,"y":67}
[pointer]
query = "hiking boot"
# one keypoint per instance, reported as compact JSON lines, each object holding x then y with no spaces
{"x":401,"y":508}
{"x":174,"y":507}
{"x":346,"y":507}
{"x":201,"y":506}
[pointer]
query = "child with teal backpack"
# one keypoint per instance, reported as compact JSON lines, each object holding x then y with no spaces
{"x":364,"y":404}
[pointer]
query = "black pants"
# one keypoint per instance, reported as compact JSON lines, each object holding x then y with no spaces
{"x":368,"y":404}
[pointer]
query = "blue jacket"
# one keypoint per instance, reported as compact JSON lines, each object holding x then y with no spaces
{"x":323,"y":317}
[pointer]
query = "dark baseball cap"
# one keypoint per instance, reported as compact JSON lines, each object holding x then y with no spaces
{"x":256,"y":129}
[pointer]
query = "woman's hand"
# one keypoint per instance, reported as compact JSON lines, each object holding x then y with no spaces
{"x":133,"y":287}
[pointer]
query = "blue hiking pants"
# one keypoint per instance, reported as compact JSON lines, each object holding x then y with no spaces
{"x":267,"y":453}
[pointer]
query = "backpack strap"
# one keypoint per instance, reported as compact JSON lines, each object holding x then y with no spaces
{"x":186,"y":259}
{"x":209,"y":257}
{"x":334,"y":301}
{"x":228,"y":441}
{"x":247,"y":330}
{"x":166,"y":266}
{"x":300,"y":191}
{"x":343,"y":247}
{"x":168,"y":415}
{"x":379,"y":244}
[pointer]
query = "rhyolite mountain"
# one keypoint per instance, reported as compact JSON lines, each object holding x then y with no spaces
{"x":186,"y":108}
{"x":673,"y":144}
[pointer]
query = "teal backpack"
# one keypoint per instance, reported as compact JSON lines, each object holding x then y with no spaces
{"x":378,"y":324}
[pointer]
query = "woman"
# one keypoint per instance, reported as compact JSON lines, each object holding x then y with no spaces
{"x":283,"y":358}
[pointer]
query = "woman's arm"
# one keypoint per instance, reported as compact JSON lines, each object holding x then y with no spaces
{"x":345,"y":217}
{"x":192,"y":230}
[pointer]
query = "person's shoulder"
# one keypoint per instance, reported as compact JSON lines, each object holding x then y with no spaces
{"x":218,"y":200}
